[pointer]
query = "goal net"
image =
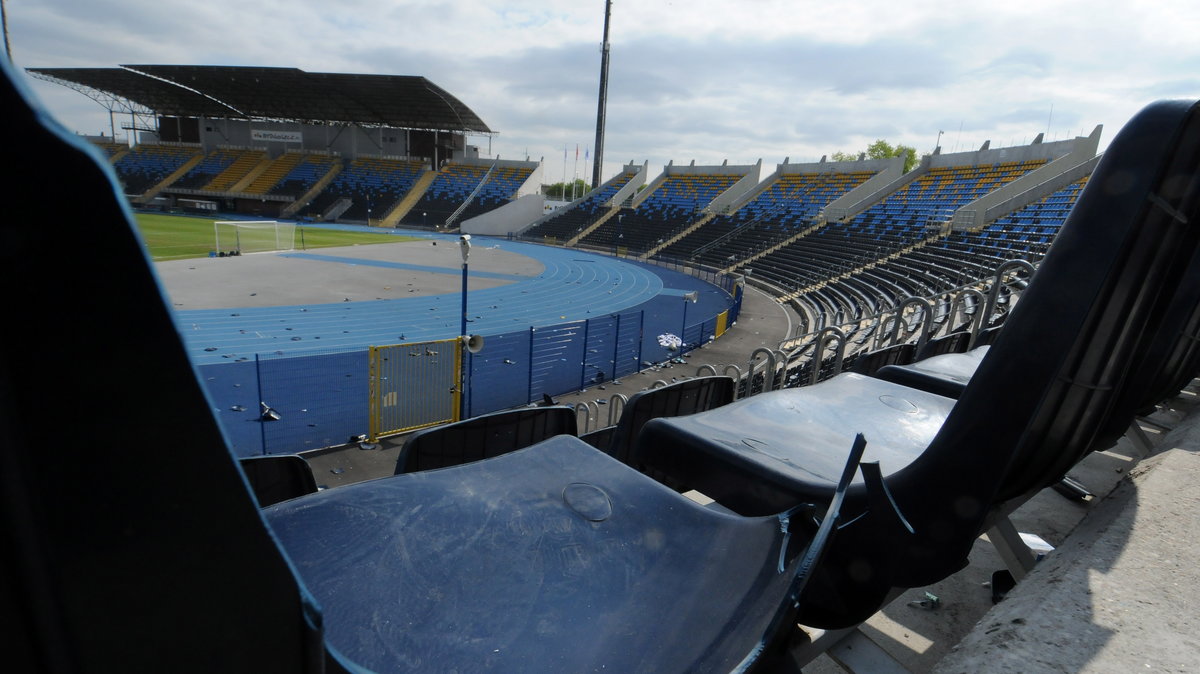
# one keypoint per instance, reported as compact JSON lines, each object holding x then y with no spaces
{"x":240,"y":237}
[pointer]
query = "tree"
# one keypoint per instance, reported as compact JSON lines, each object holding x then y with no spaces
{"x":564,"y":191}
{"x":881,"y":149}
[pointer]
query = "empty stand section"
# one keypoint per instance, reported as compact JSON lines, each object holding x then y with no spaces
{"x":368,"y":186}
{"x":566,"y":223}
{"x":674,"y":202}
{"x":145,"y":166}
{"x":301,"y":176}
{"x":449,"y":190}
{"x":789,"y":204}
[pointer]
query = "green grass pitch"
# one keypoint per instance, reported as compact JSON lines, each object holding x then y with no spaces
{"x":175,"y":237}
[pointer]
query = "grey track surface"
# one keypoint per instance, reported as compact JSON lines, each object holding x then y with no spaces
{"x":269,"y":280}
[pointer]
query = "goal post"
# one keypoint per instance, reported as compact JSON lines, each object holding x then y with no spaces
{"x":241,"y":237}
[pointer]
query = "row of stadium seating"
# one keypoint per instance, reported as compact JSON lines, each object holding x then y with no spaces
{"x":567,"y":222}
{"x":372,"y":185}
{"x":145,"y":166}
{"x":946,"y":261}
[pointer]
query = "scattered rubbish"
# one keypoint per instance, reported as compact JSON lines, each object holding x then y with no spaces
{"x":601,"y":401}
{"x":1037,"y":545}
{"x":931,"y":602}
{"x":367,"y":446}
{"x":238,"y":408}
{"x":210,"y":348}
{"x":337,"y":471}
{"x":296,"y":339}
{"x":268,"y":414}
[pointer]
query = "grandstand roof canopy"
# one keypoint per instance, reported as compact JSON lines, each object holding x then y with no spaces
{"x":291,"y":94}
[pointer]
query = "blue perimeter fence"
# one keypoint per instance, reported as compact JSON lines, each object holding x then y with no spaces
{"x":321,"y":399}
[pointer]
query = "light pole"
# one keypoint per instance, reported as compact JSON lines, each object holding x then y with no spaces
{"x":464,"y":245}
{"x":688,"y":298}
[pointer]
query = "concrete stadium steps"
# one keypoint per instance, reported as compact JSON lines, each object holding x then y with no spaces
{"x":166,"y":182}
{"x":272,"y":173}
{"x":405,"y":205}
{"x":613,"y":210}
{"x":704,"y":220}
{"x":226,"y":180}
{"x":334,"y":169}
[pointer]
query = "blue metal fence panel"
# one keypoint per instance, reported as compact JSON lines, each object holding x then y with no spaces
{"x":499,"y":374}
{"x":627,"y":351}
{"x":233,"y":389}
{"x":557,"y":358}
{"x":322,"y":400}
{"x":599,"y":363}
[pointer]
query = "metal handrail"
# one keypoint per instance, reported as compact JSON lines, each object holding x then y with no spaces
{"x":827,"y":335}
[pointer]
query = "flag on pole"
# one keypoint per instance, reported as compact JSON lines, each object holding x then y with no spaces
{"x":586,"y":150}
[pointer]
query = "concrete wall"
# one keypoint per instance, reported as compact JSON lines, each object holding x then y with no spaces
{"x":691,"y":169}
{"x":630,"y":188}
{"x":511,"y":217}
{"x":1031,"y":186}
{"x":890,"y":178}
{"x":738,"y":190}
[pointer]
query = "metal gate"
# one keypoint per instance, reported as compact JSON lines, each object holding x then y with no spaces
{"x":414,"y":386}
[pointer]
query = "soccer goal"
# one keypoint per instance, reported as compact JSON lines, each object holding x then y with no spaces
{"x":241,"y":237}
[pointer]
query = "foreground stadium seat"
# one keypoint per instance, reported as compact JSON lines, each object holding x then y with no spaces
{"x":139,"y":546}
{"x":1053,"y":378}
{"x":551,"y":558}
{"x":483,"y":437}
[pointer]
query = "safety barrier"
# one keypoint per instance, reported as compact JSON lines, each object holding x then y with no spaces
{"x":326,"y":399}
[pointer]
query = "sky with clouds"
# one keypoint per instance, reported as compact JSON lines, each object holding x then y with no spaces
{"x":703,"y":80}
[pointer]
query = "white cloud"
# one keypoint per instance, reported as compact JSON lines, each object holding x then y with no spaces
{"x":691,"y":79}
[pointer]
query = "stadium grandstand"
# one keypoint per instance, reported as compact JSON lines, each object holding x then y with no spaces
{"x":876,"y":269}
{"x":286,"y":143}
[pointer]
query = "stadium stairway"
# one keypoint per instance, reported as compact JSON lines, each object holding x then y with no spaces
{"x":235,"y":172}
{"x":149,"y":194}
{"x":334,"y":169}
{"x":244,"y":183}
{"x":402,"y":207}
{"x":703,"y":220}
{"x":271,"y":173}
{"x":593,"y":227}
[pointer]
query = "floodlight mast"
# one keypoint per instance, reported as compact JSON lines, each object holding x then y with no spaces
{"x":598,"y":160}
